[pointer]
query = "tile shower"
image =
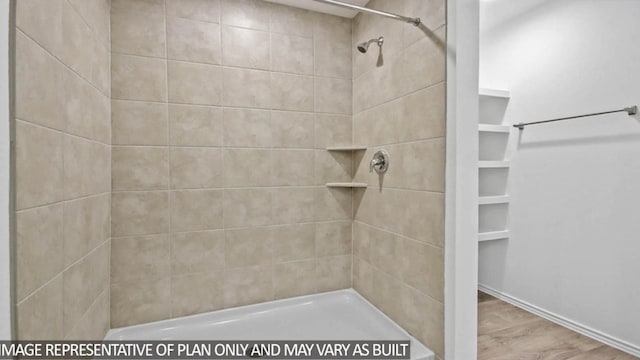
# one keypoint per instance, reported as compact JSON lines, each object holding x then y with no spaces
{"x":171,"y":160}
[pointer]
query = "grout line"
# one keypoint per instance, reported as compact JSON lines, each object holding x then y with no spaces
{"x":62,"y":132}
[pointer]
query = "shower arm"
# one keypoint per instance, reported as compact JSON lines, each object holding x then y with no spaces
{"x":414,"y":21}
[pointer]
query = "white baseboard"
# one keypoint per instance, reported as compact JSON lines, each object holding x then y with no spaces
{"x":563,"y":321}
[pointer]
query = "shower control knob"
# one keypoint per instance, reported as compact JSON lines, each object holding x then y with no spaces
{"x":380,"y":162}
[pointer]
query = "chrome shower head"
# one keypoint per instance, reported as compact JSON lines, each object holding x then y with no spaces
{"x":363,"y":47}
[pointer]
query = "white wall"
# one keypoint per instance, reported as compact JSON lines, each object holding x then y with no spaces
{"x":575,"y":185}
{"x":461,"y":220}
{"x":5,"y":301}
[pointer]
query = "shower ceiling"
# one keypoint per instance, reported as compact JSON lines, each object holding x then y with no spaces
{"x":324,"y":8}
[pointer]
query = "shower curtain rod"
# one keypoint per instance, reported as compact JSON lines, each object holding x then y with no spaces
{"x":414,"y":21}
{"x":631,"y":110}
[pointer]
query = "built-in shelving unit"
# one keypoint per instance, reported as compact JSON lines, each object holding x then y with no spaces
{"x":493,"y":167}
{"x":484,"y":164}
{"x":347,"y":185}
{"x":496,"y":93}
{"x":493,"y":235}
{"x":347,"y":148}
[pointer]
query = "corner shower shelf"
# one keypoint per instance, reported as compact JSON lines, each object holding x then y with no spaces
{"x":505,"y":94}
{"x":346,"y":185}
{"x":488,"y":200}
{"x":493,"y":235}
{"x":493,"y":164}
{"x":494,"y":128}
{"x":347,"y":148}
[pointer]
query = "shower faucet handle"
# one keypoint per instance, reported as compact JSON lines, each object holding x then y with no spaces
{"x":380,"y":162}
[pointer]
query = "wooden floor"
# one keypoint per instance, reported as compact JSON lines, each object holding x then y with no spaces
{"x":506,"y":332}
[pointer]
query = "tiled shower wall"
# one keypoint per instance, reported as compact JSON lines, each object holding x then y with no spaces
{"x":399,"y":105}
{"x":63,"y":176}
{"x":221,"y":112}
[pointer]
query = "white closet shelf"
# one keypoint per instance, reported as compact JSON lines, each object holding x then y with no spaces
{"x":497,"y":93}
{"x":346,"y":185}
{"x":487,"y":200}
{"x":347,"y":148}
{"x":485,"y":164}
{"x":494,"y":128}
{"x":493,"y":235}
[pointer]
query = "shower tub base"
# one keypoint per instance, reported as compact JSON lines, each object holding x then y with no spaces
{"x":337,"y":315}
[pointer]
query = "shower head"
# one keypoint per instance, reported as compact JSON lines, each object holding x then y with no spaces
{"x":363,"y":47}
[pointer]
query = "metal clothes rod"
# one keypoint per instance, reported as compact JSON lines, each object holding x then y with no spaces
{"x":414,"y":21}
{"x":631,"y":110}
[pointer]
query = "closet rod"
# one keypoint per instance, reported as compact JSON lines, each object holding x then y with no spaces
{"x":631,"y":110}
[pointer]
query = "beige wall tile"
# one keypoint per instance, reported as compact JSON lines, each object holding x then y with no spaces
{"x":333,"y":204}
{"x":432,"y":14}
{"x":248,"y":128}
{"x":293,"y":242}
{"x":96,"y":14}
{"x":362,"y":241}
{"x":195,"y":210}
{"x":423,"y":268}
{"x":138,"y":78}
{"x":247,"y":167}
{"x":140,"y":168}
{"x":140,"y":302}
{"x":194,"y":168}
{"x":197,"y":252}
{"x":138,"y":123}
{"x":248,"y":247}
{"x":39,"y":78}
{"x":292,"y":54}
{"x":191,"y":83}
{"x":39,"y":166}
{"x":292,"y":167}
{"x":385,"y":294}
{"x":333,"y":130}
{"x":425,"y":60}
{"x":250,"y":14}
{"x":42,"y":21}
{"x":95,"y":323}
{"x":332,"y":42}
{"x":247,"y":207}
{"x":202,"y":10}
{"x":423,"y":114}
{"x":292,"y":92}
{"x":83,"y":282}
{"x":334,"y":273}
{"x":363,"y":277}
{"x":139,"y":213}
{"x":77,"y":39}
{"x":41,"y":314}
{"x":246,"y":88}
{"x":87,"y":167}
{"x":387,"y":252}
{"x":138,"y":27}
{"x":333,"y":96}
{"x":192,"y":40}
{"x":291,"y":21}
{"x":333,"y":238}
{"x":39,"y":248}
{"x":247,"y":285}
{"x":140,"y":258}
{"x":429,"y":327}
{"x":294,"y":279}
{"x":333,"y":166}
{"x":87,"y":224}
{"x":87,"y":109}
{"x":293,"y":205}
{"x":292,"y":129}
{"x":197,"y":293}
{"x":195,"y":125}
{"x":245,"y":48}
